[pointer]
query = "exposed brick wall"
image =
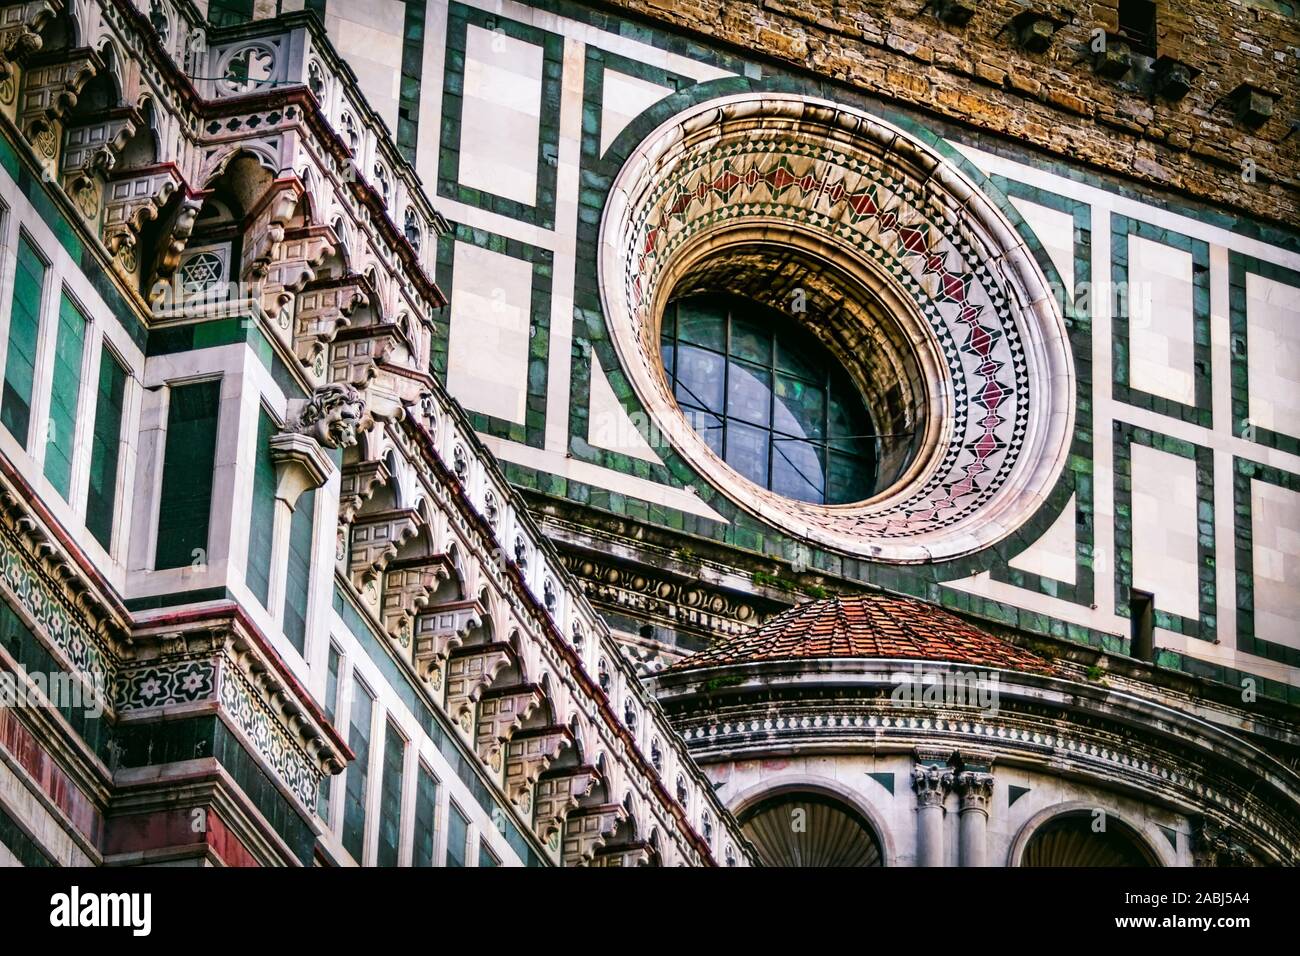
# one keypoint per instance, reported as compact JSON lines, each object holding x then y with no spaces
{"x":977,"y":75}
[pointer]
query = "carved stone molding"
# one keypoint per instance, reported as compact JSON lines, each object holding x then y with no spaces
{"x":300,"y":464}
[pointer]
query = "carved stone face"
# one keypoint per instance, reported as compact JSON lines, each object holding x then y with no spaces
{"x":333,"y":415}
{"x":343,"y":424}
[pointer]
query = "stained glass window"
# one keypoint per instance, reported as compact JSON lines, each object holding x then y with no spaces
{"x":769,"y":399}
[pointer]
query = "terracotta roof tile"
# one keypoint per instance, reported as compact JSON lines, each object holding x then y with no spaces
{"x":868,"y":626}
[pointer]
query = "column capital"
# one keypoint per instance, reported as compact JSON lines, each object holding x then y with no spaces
{"x":976,"y":790}
{"x":931,"y":784}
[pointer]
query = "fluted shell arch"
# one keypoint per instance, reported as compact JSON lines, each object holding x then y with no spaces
{"x":976,"y":330}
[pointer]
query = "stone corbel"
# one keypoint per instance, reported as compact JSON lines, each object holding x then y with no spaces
{"x":175,"y":237}
{"x":301,"y":253}
{"x":558,"y":793}
{"x":440,"y":630}
{"x":357,"y":352}
{"x":623,"y":855}
{"x":407,"y":591}
{"x":268,"y":221}
{"x":500,"y":713}
{"x":20,"y":38}
{"x":136,"y":196}
{"x":324,"y":310}
{"x":90,"y":154}
{"x":376,"y":538}
{"x":528,"y":755}
{"x":469,"y":672}
{"x":360,"y":479}
{"x":587,"y":830}
{"x":300,"y":463}
{"x":50,"y":89}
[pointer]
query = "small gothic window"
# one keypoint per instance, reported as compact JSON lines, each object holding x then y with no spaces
{"x":681,"y":790}
{"x":412,"y":229}
{"x":249,"y":69}
{"x":602,"y":675}
{"x":316,"y":79}
{"x":706,"y":824}
{"x":629,"y":714}
{"x":158,"y":20}
{"x":381,"y":181}
{"x":656,"y":755}
{"x":521,"y":552}
{"x":548,"y":595}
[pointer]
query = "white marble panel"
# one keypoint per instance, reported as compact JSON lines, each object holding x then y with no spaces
{"x":487,"y":362}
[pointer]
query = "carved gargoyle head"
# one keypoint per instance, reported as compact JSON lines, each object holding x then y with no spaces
{"x":333,"y":415}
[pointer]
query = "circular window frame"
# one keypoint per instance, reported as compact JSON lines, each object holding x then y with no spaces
{"x":898,"y":524}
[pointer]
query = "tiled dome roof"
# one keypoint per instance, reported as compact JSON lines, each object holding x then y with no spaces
{"x":868,"y":626}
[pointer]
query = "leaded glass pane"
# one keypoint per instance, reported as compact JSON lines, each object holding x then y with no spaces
{"x":749,"y":393}
{"x":769,"y":399}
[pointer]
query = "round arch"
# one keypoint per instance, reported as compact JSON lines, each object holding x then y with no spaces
{"x":752,"y":798}
{"x":1147,"y":843}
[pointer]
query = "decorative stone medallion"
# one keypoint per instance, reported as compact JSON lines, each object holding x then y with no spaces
{"x":918,"y":235}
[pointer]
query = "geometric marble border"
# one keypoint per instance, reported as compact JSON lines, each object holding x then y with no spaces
{"x":1244,"y":472}
{"x":1200,"y":413}
{"x":1078,"y":321}
{"x":1205,"y":627}
{"x":532,"y":431}
{"x":459,"y":19}
{"x":584,"y":358}
{"x":1238,"y":267}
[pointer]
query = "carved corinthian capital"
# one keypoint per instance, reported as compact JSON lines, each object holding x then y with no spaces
{"x":931,"y":785}
{"x":975,"y":789}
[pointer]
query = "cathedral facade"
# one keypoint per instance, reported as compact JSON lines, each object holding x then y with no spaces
{"x":546,"y":433}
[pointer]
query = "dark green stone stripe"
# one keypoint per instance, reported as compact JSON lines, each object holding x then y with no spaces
{"x":408,"y":97}
{"x":24,"y":331}
{"x":15,"y":839}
